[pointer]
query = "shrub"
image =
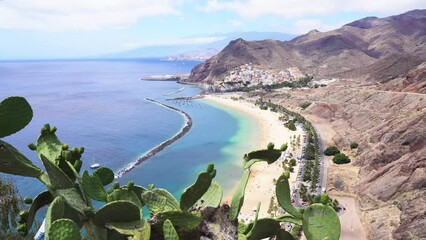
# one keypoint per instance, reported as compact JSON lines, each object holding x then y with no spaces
{"x":331,"y":151}
{"x":304,"y":105}
{"x":292,"y":162}
{"x":354,"y":145}
{"x":290,"y":125}
{"x":270,"y":146}
{"x":341,"y":158}
{"x":283,"y":147}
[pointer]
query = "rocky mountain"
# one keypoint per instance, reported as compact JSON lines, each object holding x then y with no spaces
{"x":344,"y":52}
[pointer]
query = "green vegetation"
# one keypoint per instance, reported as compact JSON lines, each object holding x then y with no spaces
{"x":270,"y":146}
{"x":304,"y":105}
{"x":283,"y":147}
{"x":69,"y":197}
{"x":331,"y":151}
{"x":310,"y":152}
{"x":290,"y":125}
{"x":324,"y":199}
{"x":341,"y":158}
{"x":354,"y":145}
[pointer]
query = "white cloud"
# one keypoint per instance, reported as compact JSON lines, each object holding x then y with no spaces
{"x":80,"y":14}
{"x":235,"y":22}
{"x":306,"y":8}
{"x":173,"y":42}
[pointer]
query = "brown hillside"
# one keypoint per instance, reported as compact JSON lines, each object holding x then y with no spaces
{"x":327,"y":54}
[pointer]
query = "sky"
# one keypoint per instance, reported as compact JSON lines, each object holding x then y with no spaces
{"x":43,"y":29}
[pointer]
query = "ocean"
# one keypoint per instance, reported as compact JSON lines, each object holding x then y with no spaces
{"x":100,"y":105}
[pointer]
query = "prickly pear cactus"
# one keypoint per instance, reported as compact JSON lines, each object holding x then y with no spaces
{"x":14,"y":162}
{"x":212,"y":198}
{"x":159,"y":200}
{"x":106,"y":175}
{"x":184,"y":220}
{"x":320,"y":222}
{"x":238,"y":198}
{"x":118,"y":211}
{"x":139,"y":229}
{"x":193,"y":193}
{"x":54,"y":212}
{"x":282,"y":190}
{"x":169,"y":231}
{"x":48,"y":143}
{"x":124,"y":193}
{"x":15,"y":114}
{"x":64,"y":229}
{"x":93,"y":187}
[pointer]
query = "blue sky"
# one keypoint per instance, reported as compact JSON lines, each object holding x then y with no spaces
{"x":39,"y":29}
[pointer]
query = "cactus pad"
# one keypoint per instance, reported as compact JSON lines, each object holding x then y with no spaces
{"x":73,"y":199}
{"x":118,"y":211}
{"x":251,"y":227}
{"x":289,"y":218}
{"x":321,"y":222}
{"x":184,"y":220}
{"x":14,"y":162}
{"x":264,"y":228}
{"x":159,"y":200}
{"x":169,"y":231}
{"x":140,"y":229}
{"x":212,"y":197}
{"x":39,"y":201}
{"x":124,"y":194}
{"x":55,"y":211}
{"x":282,"y":189}
{"x":194,"y":192}
{"x":15,"y":114}
{"x":58,"y":179}
{"x":93,"y":187}
{"x":48,"y":144}
{"x":106,"y":175}
{"x":269,"y":155}
{"x":238,"y":197}
{"x":64,"y":229}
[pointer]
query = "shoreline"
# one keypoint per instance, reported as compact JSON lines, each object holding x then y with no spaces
{"x":261,"y":186}
{"x":184,"y":130}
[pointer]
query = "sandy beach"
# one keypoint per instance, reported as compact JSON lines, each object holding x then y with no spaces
{"x":261,"y":185}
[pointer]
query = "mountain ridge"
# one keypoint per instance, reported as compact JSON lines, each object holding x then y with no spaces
{"x":325,"y":54}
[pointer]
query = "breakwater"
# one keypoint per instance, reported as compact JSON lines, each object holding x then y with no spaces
{"x":161,"y":146}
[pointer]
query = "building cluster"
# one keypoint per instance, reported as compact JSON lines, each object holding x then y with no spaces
{"x":250,"y":76}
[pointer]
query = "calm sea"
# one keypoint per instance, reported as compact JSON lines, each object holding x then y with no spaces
{"x":100,"y":105}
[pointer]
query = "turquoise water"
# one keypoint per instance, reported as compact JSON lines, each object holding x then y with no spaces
{"x":100,"y":105}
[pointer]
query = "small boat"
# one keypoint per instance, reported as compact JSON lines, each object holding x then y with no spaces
{"x":94,"y":165}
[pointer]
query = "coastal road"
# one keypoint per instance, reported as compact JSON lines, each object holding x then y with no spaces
{"x":323,"y":164}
